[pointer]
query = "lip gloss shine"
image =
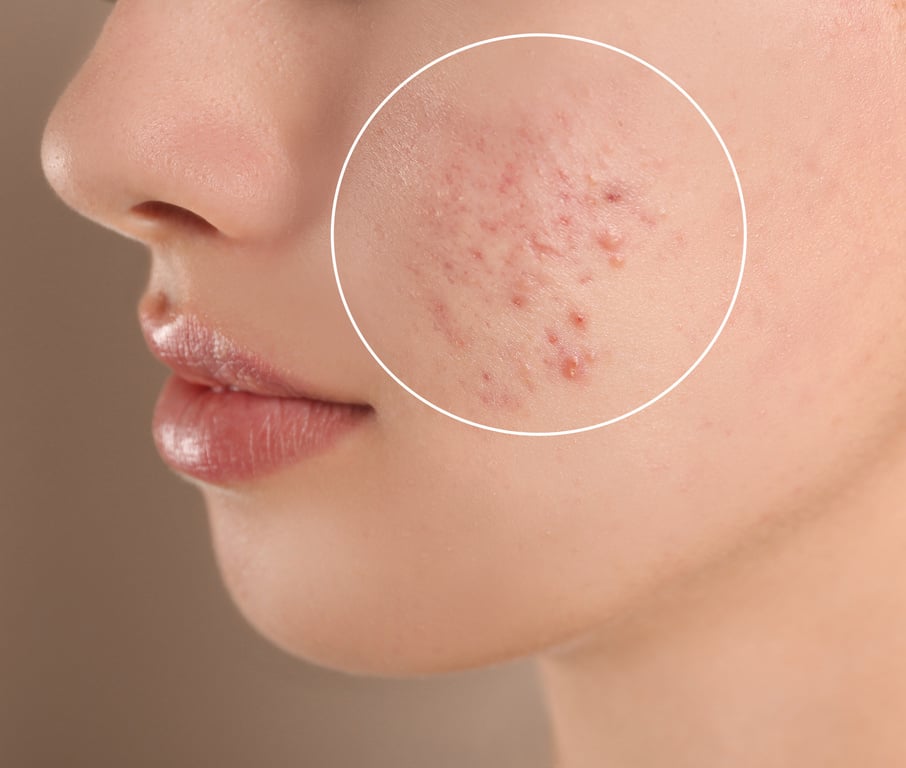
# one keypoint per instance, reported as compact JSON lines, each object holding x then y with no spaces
{"x":235,"y":436}
{"x":227,"y":416}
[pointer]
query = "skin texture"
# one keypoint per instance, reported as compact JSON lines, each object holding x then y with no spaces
{"x":711,"y":570}
{"x":542,"y":244}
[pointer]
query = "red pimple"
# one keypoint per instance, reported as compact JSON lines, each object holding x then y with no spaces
{"x":485,"y":375}
{"x":552,"y":337}
{"x":574,"y":365}
{"x":564,"y":219}
{"x":577,"y":319}
{"x":609,"y":239}
{"x":569,"y":366}
{"x":586,"y":279}
{"x":517,"y":300}
{"x":477,"y":254}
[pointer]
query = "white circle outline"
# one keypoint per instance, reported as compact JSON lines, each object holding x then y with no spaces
{"x":574,"y":38}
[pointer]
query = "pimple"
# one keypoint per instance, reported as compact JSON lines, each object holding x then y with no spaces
{"x":517,"y":300}
{"x":574,"y":364}
{"x":569,"y":366}
{"x":552,"y":337}
{"x":578,"y":320}
{"x":609,"y":239}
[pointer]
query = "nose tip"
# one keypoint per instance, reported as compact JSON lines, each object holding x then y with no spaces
{"x":151,"y":141}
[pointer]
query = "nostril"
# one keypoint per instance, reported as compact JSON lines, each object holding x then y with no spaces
{"x":158,"y":212}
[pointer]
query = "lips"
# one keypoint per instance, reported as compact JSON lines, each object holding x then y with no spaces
{"x":226,"y":416}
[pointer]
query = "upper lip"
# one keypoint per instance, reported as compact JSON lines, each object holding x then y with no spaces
{"x":203,"y":355}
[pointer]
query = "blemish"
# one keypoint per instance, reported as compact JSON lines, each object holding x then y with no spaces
{"x":564,"y":220}
{"x":609,"y":239}
{"x":552,"y":337}
{"x":501,"y":399}
{"x":508,"y":179}
{"x":485,"y":376}
{"x":574,"y":365}
{"x":616,"y":260}
{"x":586,"y":279}
{"x":477,"y":254}
{"x":517,"y":300}
{"x":569,"y":366}
{"x":445,"y":324}
{"x":650,"y":217}
{"x":542,"y":248}
{"x":578,"y":320}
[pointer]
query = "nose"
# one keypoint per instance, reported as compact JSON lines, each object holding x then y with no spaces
{"x":199,"y":122}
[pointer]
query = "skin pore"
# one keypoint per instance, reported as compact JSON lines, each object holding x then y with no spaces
{"x":717,"y":580}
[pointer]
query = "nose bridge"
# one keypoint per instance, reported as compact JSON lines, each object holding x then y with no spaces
{"x":189,"y":114}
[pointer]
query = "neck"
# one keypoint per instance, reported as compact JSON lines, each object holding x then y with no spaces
{"x":794,"y":654}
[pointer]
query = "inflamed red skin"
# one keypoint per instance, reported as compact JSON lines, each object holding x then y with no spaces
{"x":534,"y":266}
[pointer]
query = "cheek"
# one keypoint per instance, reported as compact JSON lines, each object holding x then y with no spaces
{"x":525,"y":264}
{"x":516,"y":237}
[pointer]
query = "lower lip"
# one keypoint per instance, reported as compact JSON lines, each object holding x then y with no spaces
{"x":232,"y":437}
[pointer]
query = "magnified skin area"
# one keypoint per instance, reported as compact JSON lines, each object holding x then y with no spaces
{"x":536,"y":264}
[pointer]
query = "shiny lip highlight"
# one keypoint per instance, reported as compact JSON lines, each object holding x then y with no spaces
{"x":226,"y":416}
{"x":203,"y":355}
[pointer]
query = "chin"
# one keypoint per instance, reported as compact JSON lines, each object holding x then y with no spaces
{"x":335,"y":602}
{"x":350,"y":641}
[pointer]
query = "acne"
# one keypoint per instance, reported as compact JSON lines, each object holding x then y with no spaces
{"x":518,"y":222}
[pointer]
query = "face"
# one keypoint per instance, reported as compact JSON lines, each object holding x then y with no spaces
{"x":535,"y":235}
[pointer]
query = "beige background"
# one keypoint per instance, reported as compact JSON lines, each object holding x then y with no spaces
{"x":118,"y":645}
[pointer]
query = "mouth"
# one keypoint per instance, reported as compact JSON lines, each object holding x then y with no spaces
{"x":226,"y":416}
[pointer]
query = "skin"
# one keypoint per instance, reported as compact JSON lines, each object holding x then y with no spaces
{"x":713,"y":581}
{"x":544,"y":243}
